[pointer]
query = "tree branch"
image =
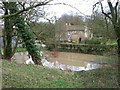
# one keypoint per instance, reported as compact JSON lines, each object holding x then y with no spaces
{"x":22,"y":5}
{"x":113,"y":10}
{"x":68,"y":5}
{"x":21,"y":11}
{"x":116,"y":12}
{"x":110,"y":5}
{"x":106,"y":14}
{"x":106,"y":24}
{"x":116,"y":4}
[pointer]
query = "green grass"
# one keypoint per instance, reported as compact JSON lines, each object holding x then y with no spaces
{"x":33,"y":76}
{"x":20,"y":49}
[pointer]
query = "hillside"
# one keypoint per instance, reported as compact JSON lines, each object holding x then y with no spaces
{"x":33,"y":76}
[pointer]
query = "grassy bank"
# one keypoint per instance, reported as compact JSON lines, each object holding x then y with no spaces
{"x":33,"y":76}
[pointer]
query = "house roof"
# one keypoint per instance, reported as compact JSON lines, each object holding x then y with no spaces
{"x":75,"y":28}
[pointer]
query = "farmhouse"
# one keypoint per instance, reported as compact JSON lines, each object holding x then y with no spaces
{"x":76,"y":33}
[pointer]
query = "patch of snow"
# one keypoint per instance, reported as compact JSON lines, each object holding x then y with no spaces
{"x":60,"y":66}
{"x":41,"y":53}
{"x":30,"y":61}
{"x":43,"y":45}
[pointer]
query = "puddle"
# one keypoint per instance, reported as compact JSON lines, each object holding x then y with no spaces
{"x":75,"y":59}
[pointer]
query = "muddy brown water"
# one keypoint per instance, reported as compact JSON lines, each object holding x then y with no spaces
{"x":76,"y":59}
{"x":67,"y":58}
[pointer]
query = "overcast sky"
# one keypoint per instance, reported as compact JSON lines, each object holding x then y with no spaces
{"x":84,"y":6}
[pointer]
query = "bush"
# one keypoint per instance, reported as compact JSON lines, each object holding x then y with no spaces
{"x":21,"y":49}
{"x":99,"y":49}
{"x":111,"y":42}
{"x":50,"y":47}
{"x":95,"y":41}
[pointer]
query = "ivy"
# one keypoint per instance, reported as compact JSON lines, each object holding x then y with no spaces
{"x":24,"y":31}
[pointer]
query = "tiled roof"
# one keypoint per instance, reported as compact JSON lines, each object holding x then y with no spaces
{"x":75,"y":27}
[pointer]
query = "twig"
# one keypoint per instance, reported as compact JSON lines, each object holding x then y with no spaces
{"x":23,"y":10}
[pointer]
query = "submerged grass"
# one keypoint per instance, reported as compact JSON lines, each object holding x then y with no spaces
{"x":33,"y":76}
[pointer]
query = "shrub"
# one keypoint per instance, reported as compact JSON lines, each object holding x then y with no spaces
{"x":50,"y":46}
{"x":95,"y":41}
{"x":98,"y":49}
{"x":21,"y":49}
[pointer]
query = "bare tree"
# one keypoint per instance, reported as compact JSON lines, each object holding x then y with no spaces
{"x":114,"y":16}
{"x":101,"y":26}
{"x":13,"y":17}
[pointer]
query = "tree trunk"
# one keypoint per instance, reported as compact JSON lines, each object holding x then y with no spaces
{"x":118,"y":41}
{"x":4,"y":38}
{"x":117,"y":30}
{"x":7,"y":36}
{"x":21,"y":29}
{"x":8,"y":50}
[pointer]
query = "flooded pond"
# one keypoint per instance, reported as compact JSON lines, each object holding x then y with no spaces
{"x":67,"y":60}
{"x":75,"y":61}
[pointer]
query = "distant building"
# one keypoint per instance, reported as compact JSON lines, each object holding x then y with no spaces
{"x":76,"y":33}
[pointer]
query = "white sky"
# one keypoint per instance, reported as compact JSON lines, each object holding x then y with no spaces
{"x":84,"y":6}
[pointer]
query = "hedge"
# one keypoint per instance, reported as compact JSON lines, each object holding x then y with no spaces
{"x":87,"y":49}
